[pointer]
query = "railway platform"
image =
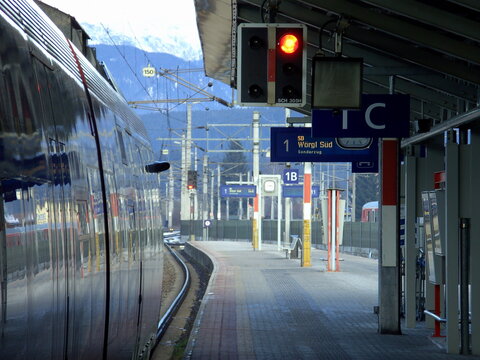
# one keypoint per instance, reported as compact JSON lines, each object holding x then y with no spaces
{"x":260,"y":305}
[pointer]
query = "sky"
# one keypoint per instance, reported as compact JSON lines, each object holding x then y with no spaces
{"x":137,"y":18}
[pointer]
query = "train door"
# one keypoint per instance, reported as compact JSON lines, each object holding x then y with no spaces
{"x":84,"y":240}
{"x":134,"y":270}
{"x":29,"y":257}
{"x":116,"y":303}
{"x":58,"y":208}
{"x":135,"y":265}
{"x":13,"y":284}
{"x":60,"y":248}
{"x":139,"y":233}
{"x":98,"y":262}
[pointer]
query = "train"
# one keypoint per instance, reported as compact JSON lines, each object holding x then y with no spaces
{"x":81,"y":250}
{"x":370,"y":212}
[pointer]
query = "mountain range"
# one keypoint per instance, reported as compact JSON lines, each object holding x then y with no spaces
{"x":210,"y":120}
{"x":172,"y":43}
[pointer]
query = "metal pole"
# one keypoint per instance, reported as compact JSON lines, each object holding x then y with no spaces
{"x":272,"y":208}
{"x":257,"y":219}
{"x":347,"y":198}
{"x":452,"y":265}
{"x":287,"y":200}
{"x":195,"y":191}
{"x":410,"y":246}
{"x":354,"y":195}
{"x":219,"y":198}
{"x":389,"y":261}
{"x":205,"y":195}
{"x":188,"y":149}
{"x":333,"y":229}
{"x":279,"y":217}
{"x":184,"y":196}
{"x":240,"y":201}
{"x":227,"y":215}
{"x":192,"y":230}
{"x":389,"y":272}
{"x":307,"y":215}
{"x":333,"y":178}
{"x":212,"y":187}
{"x":171,"y":189}
{"x":464,"y":280}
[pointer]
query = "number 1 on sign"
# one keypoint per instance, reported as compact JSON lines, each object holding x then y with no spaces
{"x":286,"y":145}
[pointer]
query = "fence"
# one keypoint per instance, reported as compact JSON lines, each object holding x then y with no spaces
{"x":359,"y":238}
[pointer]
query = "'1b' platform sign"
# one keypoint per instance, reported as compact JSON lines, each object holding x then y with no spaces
{"x":379,"y":116}
{"x":290,"y":176}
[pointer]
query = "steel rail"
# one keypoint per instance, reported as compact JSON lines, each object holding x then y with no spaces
{"x":172,"y":310}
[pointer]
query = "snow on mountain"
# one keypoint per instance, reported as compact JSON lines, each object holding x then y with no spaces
{"x":177,"y":42}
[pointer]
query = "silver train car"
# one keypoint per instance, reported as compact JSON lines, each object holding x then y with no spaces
{"x":81,"y":251}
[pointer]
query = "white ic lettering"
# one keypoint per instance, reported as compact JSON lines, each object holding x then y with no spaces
{"x":344,"y":119}
{"x":368,"y":120}
{"x":367,"y":116}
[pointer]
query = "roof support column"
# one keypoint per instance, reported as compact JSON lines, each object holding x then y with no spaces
{"x":389,"y":233}
{"x":410,"y":248}
{"x":472,"y":196}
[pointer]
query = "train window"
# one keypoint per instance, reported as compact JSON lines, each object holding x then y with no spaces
{"x":28,"y":125}
{"x":82,"y":218}
{"x":121,"y":145}
{"x":3,"y":106}
{"x":10,"y":105}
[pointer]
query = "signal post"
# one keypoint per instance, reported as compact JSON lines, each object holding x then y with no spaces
{"x":256,"y":171}
{"x":272,"y":69}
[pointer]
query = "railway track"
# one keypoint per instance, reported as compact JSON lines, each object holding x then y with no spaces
{"x":185,"y":284}
{"x":172,"y":309}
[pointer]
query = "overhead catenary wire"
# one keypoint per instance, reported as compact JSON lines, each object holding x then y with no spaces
{"x":125,"y":59}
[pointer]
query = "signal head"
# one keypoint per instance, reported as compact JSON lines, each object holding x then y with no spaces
{"x":288,"y":43}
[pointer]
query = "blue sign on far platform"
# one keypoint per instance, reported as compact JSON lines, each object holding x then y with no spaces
{"x":238,"y":190}
{"x":294,"y":144}
{"x":380,"y":116}
{"x":296,"y":191}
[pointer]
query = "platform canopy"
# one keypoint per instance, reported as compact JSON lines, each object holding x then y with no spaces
{"x":431,"y":46}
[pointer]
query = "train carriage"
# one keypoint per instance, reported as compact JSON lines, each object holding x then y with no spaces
{"x":81,"y":253}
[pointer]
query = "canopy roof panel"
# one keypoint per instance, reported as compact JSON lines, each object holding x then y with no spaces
{"x":432,"y":47}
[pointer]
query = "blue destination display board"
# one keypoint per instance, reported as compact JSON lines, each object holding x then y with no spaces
{"x":238,"y":190}
{"x":295,"y":144}
{"x":380,"y":116}
{"x":296,"y":191}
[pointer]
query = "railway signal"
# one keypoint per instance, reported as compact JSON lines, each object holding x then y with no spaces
{"x":290,"y":84}
{"x":191,"y":180}
{"x":272,"y":65}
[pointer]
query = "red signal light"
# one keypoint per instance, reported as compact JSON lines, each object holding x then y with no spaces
{"x":289,"y":43}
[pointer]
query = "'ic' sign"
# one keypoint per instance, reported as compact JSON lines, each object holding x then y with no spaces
{"x":379,"y":116}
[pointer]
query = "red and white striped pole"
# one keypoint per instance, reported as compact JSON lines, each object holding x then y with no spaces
{"x":389,"y":272}
{"x":257,"y":218}
{"x":338,"y":214}
{"x":307,"y":215}
{"x":389,"y":262}
{"x":333,"y":224}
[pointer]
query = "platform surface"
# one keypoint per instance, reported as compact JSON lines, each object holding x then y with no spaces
{"x":260,"y":305}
